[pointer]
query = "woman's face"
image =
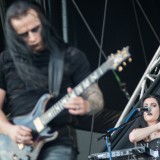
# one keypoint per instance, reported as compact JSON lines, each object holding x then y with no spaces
{"x":155,"y":110}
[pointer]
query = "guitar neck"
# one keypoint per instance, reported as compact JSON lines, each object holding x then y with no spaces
{"x":79,"y":89}
{"x":111,"y":64}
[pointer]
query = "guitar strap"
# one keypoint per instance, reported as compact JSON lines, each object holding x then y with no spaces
{"x":55,"y":71}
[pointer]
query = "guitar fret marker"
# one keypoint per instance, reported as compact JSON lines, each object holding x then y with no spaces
{"x":64,"y":100}
{"x":49,"y":114}
{"x":57,"y":108}
{"x":94,"y":76}
{"x":79,"y":89}
{"x":73,"y":94}
{"x":86,"y":83}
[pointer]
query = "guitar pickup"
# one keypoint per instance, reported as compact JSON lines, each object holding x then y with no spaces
{"x":38,"y":124}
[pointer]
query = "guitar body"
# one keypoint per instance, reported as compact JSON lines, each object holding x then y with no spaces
{"x":10,"y":150}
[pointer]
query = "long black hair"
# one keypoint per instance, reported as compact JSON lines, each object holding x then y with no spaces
{"x":157,"y":98}
{"x":20,"y":52}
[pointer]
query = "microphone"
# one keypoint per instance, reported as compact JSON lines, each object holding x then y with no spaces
{"x":145,"y":109}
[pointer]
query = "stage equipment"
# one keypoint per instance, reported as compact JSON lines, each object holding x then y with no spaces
{"x":64,"y":21}
{"x":2,"y":14}
{"x":132,"y":152}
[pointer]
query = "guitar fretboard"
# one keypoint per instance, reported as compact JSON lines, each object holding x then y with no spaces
{"x":111,"y":64}
{"x":78,"y":90}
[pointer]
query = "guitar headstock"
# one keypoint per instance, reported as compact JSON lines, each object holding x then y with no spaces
{"x":115,"y":60}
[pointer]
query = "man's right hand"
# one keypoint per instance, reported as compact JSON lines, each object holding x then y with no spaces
{"x":19,"y":134}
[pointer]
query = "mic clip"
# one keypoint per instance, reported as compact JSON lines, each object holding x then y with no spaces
{"x":108,"y":134}
{"x":101,"y":137}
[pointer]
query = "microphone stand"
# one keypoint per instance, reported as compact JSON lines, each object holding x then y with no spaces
{"x":108,"y":144}
{"x":107,"y":136}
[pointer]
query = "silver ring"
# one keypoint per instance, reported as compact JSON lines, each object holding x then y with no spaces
{"x":19,"y":139}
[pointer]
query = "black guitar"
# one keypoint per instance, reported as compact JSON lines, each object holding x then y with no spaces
{"x":38,"y":119}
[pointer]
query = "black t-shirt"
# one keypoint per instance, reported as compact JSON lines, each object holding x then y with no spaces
{"x":21,"y":99}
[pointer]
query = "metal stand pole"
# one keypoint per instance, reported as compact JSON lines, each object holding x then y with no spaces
{"x":64,"y":21}
{"x":141,"y":87}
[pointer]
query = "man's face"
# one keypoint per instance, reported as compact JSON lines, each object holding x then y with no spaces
{"x":29,"y":28}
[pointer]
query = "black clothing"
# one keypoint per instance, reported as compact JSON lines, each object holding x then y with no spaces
{"x":154,"y":145}
{"x":21,"y":98}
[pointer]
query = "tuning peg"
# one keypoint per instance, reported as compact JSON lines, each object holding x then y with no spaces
{"x":112,"y":54}
{"x":120,"y":68}
{"x":118,"y":51}
{"x":124,"y":64}
{"x":115,"y":65}
{"x":130,"y":59}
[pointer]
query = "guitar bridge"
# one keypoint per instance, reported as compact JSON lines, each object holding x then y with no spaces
{"x":20,"y":146}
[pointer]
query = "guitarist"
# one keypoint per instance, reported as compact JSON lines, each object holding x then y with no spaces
{"x":31,"y":43}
